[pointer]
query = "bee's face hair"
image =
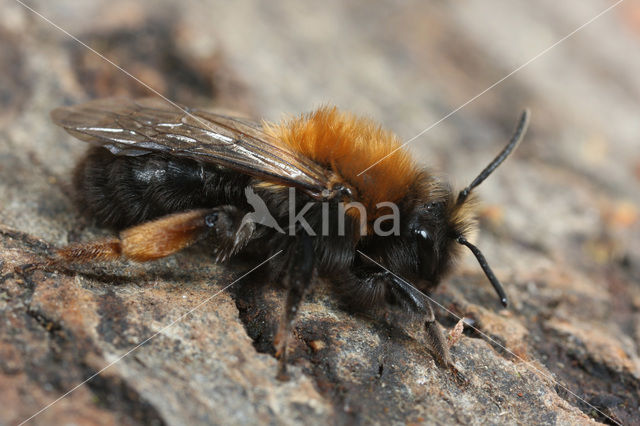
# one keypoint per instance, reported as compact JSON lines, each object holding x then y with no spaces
{"x":463,"y":199}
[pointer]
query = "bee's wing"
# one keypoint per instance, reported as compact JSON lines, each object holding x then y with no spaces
{"x":128,"y":127}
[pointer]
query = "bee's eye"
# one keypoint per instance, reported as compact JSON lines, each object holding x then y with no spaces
{"x":422,"y":233}
{"x":426,"y":251}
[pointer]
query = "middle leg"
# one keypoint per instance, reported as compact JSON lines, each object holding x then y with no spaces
{"x":300,"y":265}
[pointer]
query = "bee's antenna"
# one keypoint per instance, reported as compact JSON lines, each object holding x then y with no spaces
{"x":515,"y":139}
{"x":487,"y":270}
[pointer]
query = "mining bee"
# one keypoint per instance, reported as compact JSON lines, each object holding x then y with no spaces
{"x":166,"y":177}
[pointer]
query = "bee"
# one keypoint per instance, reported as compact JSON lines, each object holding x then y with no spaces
{"x":335,"y":195}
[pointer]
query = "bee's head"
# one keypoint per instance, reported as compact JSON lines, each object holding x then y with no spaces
{"x":443,"y":224}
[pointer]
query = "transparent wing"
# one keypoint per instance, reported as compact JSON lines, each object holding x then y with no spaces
{"x":128,"y":127}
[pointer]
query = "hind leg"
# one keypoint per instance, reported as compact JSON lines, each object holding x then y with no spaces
{"x":164,"y":236}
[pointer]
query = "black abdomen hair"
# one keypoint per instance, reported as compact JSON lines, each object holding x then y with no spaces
{"x":120,"y":191}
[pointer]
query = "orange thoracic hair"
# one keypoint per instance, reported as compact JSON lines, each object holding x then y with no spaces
{"x":348,"y":145}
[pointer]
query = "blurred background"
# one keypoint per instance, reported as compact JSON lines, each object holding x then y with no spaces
{"x":559,"y":220}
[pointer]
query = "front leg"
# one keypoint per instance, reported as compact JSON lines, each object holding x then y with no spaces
{"x":411,"y":298}
{"x":374,"y":288}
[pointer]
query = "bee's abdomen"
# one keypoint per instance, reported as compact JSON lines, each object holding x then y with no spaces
{"x":120,"y":191}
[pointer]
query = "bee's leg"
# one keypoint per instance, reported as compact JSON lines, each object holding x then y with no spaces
{"x":371,"y":287}
{"x":163,"y":237}
{"x":409,"y":297}
{"x":300,"y":266}
{"x":437,"y":339}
